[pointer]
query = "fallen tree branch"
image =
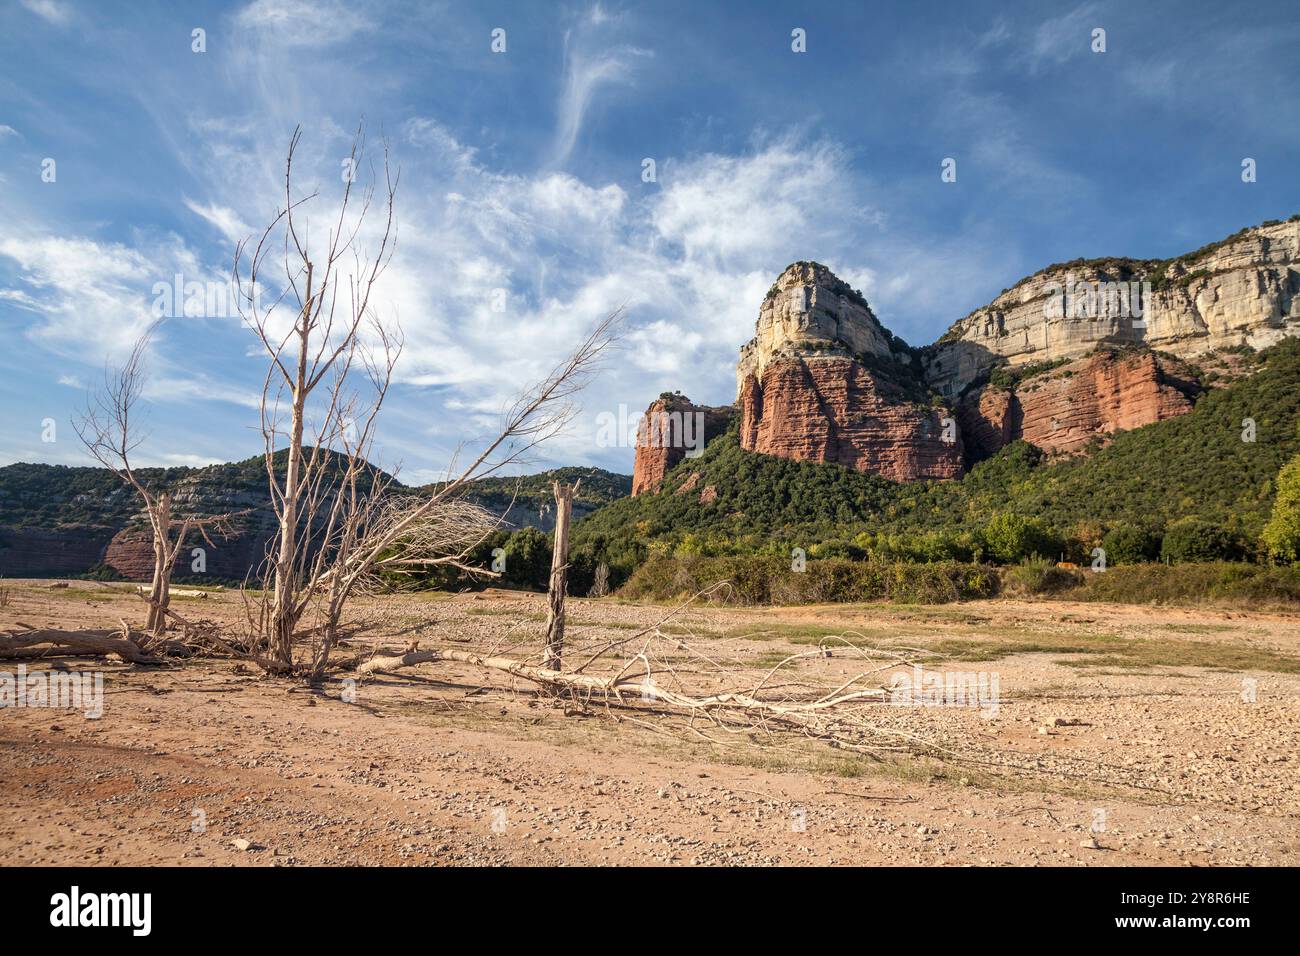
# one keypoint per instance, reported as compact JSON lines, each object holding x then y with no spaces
{"x":81,"y":643}
{"x":816,"y":718}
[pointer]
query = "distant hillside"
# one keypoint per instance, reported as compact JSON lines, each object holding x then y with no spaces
{"x":56,"y":519}
{"x":51,"y":496}
{"x":530,"y":499}
{"x":730,"y":501}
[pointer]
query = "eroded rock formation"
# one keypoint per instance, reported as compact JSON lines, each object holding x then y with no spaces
{"x":807,"y":311}
{"x":823,"y":380}
{"x":673,"y":428}
{"x":224,"y":557}
{"x":1064,"y":408}
{"x":836,"y":410}
{"x":990,"y":418}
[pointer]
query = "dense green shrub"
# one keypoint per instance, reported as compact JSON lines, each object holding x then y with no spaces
{"x":771,"y":580}
{"x":1127,"y":543}
{"x":1282,"y":533}
{"x":1038,"y":575}
{"x":1013,"y":537}
{"x":528,"y":558}
{"x":1192,"y":539}
{"x":1218,"y":582}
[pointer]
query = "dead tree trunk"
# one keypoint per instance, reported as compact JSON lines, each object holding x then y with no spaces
{"x":29,"y":644}
{"x":284,"y":610}
{"x":107,"y":431}
{"x":551,"y":658}
{"x":160,"y":587}
{"x":600,"y":586}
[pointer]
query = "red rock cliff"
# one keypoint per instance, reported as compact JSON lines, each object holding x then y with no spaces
{"x":1061,"y":410}
{"x":835,"y":410}
{"x":672,"y":428}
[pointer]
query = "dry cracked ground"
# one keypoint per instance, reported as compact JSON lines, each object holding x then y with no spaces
{"x":1123,"y":735}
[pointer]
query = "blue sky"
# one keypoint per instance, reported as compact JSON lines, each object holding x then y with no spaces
{"x":522,"y":171}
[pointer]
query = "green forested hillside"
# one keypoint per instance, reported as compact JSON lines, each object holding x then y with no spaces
{"x":598,"y":487}
{"x":52,"y":496}
{"x":1194,"y":466}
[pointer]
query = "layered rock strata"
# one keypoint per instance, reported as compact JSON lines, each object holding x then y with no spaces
{"x":1241,"y":291}
{"x":1063,"y":409}
{"x":837,"y":410}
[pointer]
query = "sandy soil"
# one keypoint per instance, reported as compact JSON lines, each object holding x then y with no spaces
{"x":1124,"y":735}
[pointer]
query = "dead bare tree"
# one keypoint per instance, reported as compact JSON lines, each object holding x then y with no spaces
{"x":108,"y":430}
{"x":600,"y":585}
{"x":442,"y":529}
{"x":321,"y":489}
{"x":338,"y":526}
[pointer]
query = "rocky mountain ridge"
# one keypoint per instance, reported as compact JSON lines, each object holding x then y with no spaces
{"x":824,"y":380}
{"x":1243,"y":290}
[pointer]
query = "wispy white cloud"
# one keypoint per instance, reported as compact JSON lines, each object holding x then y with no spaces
{"x":174,"y":383}
{"x":1027,"y":47}
{"x":438,"y":144}
{"x":53,"y":11}
{"x":591,"y":61}
{"x":739,"y":210}
{"x":1062,"y":38}
{"x":93,"y":299}
{"x":501,"y":267}
{"x":21,"y":299}
{"x":304,"y":23}
{"x":225,"y":219}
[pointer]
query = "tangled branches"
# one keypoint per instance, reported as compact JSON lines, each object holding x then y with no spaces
{"x":656,"y":670}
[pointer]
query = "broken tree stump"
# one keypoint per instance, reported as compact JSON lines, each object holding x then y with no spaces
{"x":555,"y":592}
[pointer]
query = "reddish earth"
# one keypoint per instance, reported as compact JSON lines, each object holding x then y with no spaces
{"x":1119,"y":759}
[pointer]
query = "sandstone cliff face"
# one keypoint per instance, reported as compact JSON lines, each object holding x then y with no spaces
{"x":990,"y":419}
{"x":1242,"y":291}
{"x":808,"y":310}
{"x":823,"y":380}
{"x":673,"y":428}
{"x":130,"y":554}
{"x":835,"y":410}
{"x":1063,"y":409}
